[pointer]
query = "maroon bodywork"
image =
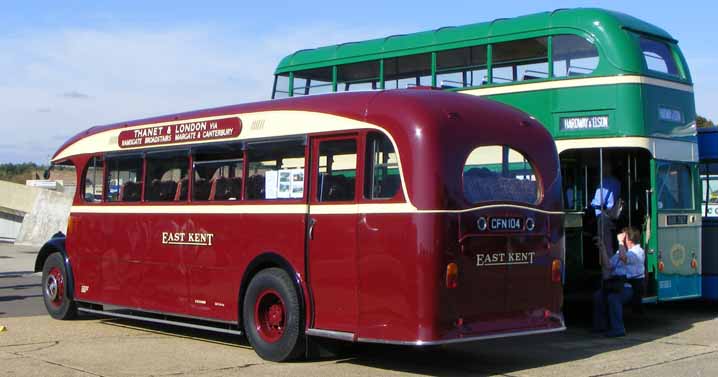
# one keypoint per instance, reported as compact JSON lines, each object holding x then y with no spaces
{"x":378,"y":276}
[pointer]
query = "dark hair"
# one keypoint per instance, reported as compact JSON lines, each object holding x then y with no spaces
{"x":633,"y":234}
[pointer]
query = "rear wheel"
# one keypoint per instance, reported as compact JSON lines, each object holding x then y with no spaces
{"x":271,"y":315}
{"x":55,"y":285}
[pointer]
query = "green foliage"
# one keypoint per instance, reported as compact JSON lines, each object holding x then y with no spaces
{"x":703,"y":122}
{"x":19,"y":173}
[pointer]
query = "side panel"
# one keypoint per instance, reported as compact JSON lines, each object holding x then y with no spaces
{"x":132,"y":259}
{"x":398,"y":276}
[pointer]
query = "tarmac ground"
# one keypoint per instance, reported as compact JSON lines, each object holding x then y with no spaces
{"x":671,"y":339}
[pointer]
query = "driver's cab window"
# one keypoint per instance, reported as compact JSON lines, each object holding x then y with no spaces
{"x":93,"y":180}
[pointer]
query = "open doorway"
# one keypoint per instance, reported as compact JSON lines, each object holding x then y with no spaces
{"x":581,"y":171}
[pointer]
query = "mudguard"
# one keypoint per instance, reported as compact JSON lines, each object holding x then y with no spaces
{"x":56,"y":244}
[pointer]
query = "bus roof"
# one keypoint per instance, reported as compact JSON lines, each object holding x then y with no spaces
{"x":601,"y":24}
{"x":429,"y":128}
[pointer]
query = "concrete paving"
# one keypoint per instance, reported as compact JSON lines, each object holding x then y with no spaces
{"x":677,"y":339}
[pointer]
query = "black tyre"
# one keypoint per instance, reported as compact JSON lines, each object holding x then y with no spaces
{"x":55,"y":288}
{"x":272,"y":316}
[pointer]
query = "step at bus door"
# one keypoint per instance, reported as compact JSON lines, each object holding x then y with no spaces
{"x":332,"y":233}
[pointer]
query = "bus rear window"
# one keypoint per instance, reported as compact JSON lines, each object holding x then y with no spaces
{"x":658,"y":56}
{"x":499,"y":173}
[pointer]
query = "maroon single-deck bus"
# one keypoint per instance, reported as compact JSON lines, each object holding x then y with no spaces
{"x":413,"y":217}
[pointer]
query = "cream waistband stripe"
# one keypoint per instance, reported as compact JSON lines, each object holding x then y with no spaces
{"x":321,"y":209}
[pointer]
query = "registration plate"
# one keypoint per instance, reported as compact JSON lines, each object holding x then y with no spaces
{"x":506,"y":223}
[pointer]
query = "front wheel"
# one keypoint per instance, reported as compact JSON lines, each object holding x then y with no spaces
{"x":55,"y":285}
{"x":271,"y":315}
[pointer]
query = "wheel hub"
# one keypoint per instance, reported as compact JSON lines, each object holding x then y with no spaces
{"x":269,"y":316}
{"x":55,"y":286}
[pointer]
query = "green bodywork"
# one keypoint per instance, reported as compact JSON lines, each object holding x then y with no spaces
{"x":632,"y":107}
{"x":609,"y":30}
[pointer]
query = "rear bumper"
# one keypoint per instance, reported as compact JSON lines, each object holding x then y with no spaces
{"x":464,"y":339}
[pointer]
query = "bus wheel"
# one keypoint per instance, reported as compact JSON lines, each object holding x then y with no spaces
{"x":55,"y":288}
{"x":271,"y":316}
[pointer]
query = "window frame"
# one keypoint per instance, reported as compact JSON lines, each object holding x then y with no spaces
{"x":103,"y":177}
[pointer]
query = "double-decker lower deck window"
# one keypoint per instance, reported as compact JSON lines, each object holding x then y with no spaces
{"x":124,"y":178}
{"x":275,"y":170}
{"x":499,"y":173}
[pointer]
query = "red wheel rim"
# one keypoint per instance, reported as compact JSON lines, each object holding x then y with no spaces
{"x":269,"y":315}
{"x":55,"y":287}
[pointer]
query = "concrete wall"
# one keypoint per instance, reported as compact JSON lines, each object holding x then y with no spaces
{"x":48,"y":216}
{"x":18,"y":197}
{"x":9,"y":228}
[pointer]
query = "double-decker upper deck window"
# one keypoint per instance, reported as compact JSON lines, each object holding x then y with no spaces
{"x":407,"y":71}
{"x":499,"y":173}
{"x":658,"y":56}
{"x":358,"y":76}
{"x":93,"y":180}
{"x":281,"y":86}
{"x":525,"y":59}
{"x":124,"y":178}
{"x":313,"y":81}
{"x":675,"y":186}
{"x":381,"y":175}
{"x":166,"y":174}
{"x":218,"y":171}
{"x":461,"y":67}
{"x":573,"y":56}
{"x":275,"y":170}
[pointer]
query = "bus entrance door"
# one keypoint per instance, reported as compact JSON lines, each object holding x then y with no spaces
{"x":332,"y":234}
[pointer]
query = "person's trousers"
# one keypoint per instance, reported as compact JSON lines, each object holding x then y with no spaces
{"x":608,"y":310}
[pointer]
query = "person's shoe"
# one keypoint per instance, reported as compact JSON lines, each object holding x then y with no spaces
{"x":598,"y":331}
{"x":614,"y":334}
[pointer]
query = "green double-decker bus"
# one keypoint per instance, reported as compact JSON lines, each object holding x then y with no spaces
{"x":614,"y":91}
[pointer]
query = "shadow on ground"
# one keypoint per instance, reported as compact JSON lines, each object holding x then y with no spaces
{"x":499,"y":356}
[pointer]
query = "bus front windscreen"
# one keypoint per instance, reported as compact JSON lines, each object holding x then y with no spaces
{"x":675,"y":186}
{"x":499,"y":173}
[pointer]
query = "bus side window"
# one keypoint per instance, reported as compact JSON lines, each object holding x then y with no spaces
{"x":218,"y":172}
{"x":93,"y":180}
{"x":407,"y":71}
{"x":525,"y":59}
{"x":275,"y":170}
{"x":124,"y":179}
{"x":165,"y":172}
{"x":461,"y":67}
{"x":337,"y":170}
{"x":312,"y":81}
{"x":358,"y":76}
{"x":381,"y":177}
{"x":573,"y":56}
